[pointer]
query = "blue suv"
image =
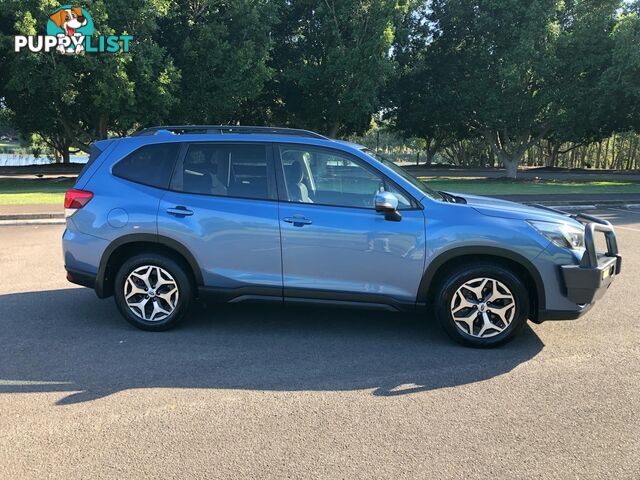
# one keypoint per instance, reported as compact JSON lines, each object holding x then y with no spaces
{"x":289,"y":216}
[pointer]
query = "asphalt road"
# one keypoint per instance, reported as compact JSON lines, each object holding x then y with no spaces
{"x":257,"y":392}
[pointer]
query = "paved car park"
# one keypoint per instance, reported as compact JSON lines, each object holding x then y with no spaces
{"x":268,"y":392}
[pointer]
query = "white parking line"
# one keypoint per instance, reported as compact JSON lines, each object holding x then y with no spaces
{"x":623,"y":210}
{"x":618,"y":227}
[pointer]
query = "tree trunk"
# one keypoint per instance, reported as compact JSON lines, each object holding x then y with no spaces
{"x":429,"y":158}
{"x":511,"y":167}
{"x":333,"y":131}
{"x":632,"y":153}
{"x":508,"y":150}
{"x":613,"y":152}
{"x":66,"y":157}
{"x":554,"y":153}
{"x":103,"y":123}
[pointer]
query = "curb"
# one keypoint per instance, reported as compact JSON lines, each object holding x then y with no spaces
{"x":33,"y":221}
{"x":31,"y":216}
{"x":13,"y":219}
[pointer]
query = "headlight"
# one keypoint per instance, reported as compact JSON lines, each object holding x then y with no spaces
{"x":562,"y":234}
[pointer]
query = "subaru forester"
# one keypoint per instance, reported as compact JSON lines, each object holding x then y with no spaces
{"x":282,"y":215}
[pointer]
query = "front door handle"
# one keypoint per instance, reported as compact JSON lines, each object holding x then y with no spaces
{"x":298,"y":220}
{"x":179,"y":211}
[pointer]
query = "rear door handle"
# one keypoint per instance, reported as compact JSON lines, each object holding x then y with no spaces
{"x":298,"y":220}
{"x":179,"y":211}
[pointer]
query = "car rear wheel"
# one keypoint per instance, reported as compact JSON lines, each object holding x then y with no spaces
{"x":152,"y":292}
{"x":482,"y":305}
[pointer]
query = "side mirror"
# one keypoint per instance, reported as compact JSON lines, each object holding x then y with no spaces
{"x":387,"y":203}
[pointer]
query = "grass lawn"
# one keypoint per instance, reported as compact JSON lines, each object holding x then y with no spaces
{"x":523,"y":187}
{"x":15,"y":191}
{"x":23,"y":191}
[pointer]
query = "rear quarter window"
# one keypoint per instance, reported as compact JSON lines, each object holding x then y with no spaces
{"x":149,"y":165}
{"x":94,"y":153}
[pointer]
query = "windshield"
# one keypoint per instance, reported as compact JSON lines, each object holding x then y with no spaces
{"x":420,"y":185}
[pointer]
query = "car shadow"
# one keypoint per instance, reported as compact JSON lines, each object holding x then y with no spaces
{"x":69,"y":341}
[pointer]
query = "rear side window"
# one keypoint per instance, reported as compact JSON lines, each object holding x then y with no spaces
{"x":150,"y":165}
{"x":231,"y":170}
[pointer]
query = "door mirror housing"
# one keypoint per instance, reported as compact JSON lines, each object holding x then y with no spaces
{"x":387,"y":203}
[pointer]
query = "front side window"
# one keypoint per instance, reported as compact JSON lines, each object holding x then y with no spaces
{"x":232,"y":170}
{"x":415,"y":181}
{"x":150,"y":165}
{"x":328,"y":177}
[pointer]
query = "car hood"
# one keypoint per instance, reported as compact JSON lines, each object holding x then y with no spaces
{"x":494,"y":207}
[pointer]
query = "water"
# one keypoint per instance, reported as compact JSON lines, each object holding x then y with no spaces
{"x":18,"y":159}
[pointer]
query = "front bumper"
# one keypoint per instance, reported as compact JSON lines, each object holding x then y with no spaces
{"x":583,"y":284}
{"x":588,"y":281}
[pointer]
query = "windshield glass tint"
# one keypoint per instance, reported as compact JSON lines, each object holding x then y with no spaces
{"x":422,"y":186}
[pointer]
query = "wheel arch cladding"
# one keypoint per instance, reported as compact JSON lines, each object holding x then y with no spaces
{"x":443,"y":263}
{"x":129,"y":245}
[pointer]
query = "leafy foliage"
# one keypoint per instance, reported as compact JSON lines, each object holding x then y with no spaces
{"x":221,"y":48}
{"x":514,"y":72}
{"x":330,"y":60}
{"x":487,"y":79}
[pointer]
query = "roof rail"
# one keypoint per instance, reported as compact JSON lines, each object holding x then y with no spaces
{"x":226,"y":129}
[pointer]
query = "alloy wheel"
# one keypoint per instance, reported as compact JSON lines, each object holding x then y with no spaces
{"x":483,"y":307}
{"x":151,"y":293}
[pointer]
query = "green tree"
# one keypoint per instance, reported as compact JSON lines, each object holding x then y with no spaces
{"x":416,"y":105}
{"x":498,"y":56}
{"x":221,"y":48}
{"x":71,"y":100}
{"x":598,"y":60}
{"x":514,"y":72}
{"x":620,"y":81}
{"x":331,"y":61}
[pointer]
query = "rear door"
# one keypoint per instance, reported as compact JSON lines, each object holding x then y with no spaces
{"x":334,"y":244}
{"x":222,"y":206}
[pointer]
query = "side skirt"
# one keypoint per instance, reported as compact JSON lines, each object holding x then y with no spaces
{"x":306,"y":297}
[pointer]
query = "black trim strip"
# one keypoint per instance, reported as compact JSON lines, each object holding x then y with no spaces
{"x":80,"y":277}
{"x":340,"y":303}
{"x":231,"y":295}
{"x":104,"y":291}
{"x":349,"y":297}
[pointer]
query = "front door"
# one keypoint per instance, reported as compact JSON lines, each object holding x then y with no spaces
{"x":223,"y":208}
{"x":334,"y":244}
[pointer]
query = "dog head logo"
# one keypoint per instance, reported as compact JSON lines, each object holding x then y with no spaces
{"x":72,"y":22}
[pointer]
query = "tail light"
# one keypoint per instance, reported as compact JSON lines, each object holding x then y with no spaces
{"x":74,"y":200}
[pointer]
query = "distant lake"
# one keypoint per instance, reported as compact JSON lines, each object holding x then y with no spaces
{"x":19,"y":160}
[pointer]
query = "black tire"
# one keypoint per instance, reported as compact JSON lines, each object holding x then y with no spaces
{"x":175,"y":270}
{"x":459,"y":276}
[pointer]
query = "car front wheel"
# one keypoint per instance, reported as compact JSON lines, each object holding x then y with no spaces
{"x":482,"y":305}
